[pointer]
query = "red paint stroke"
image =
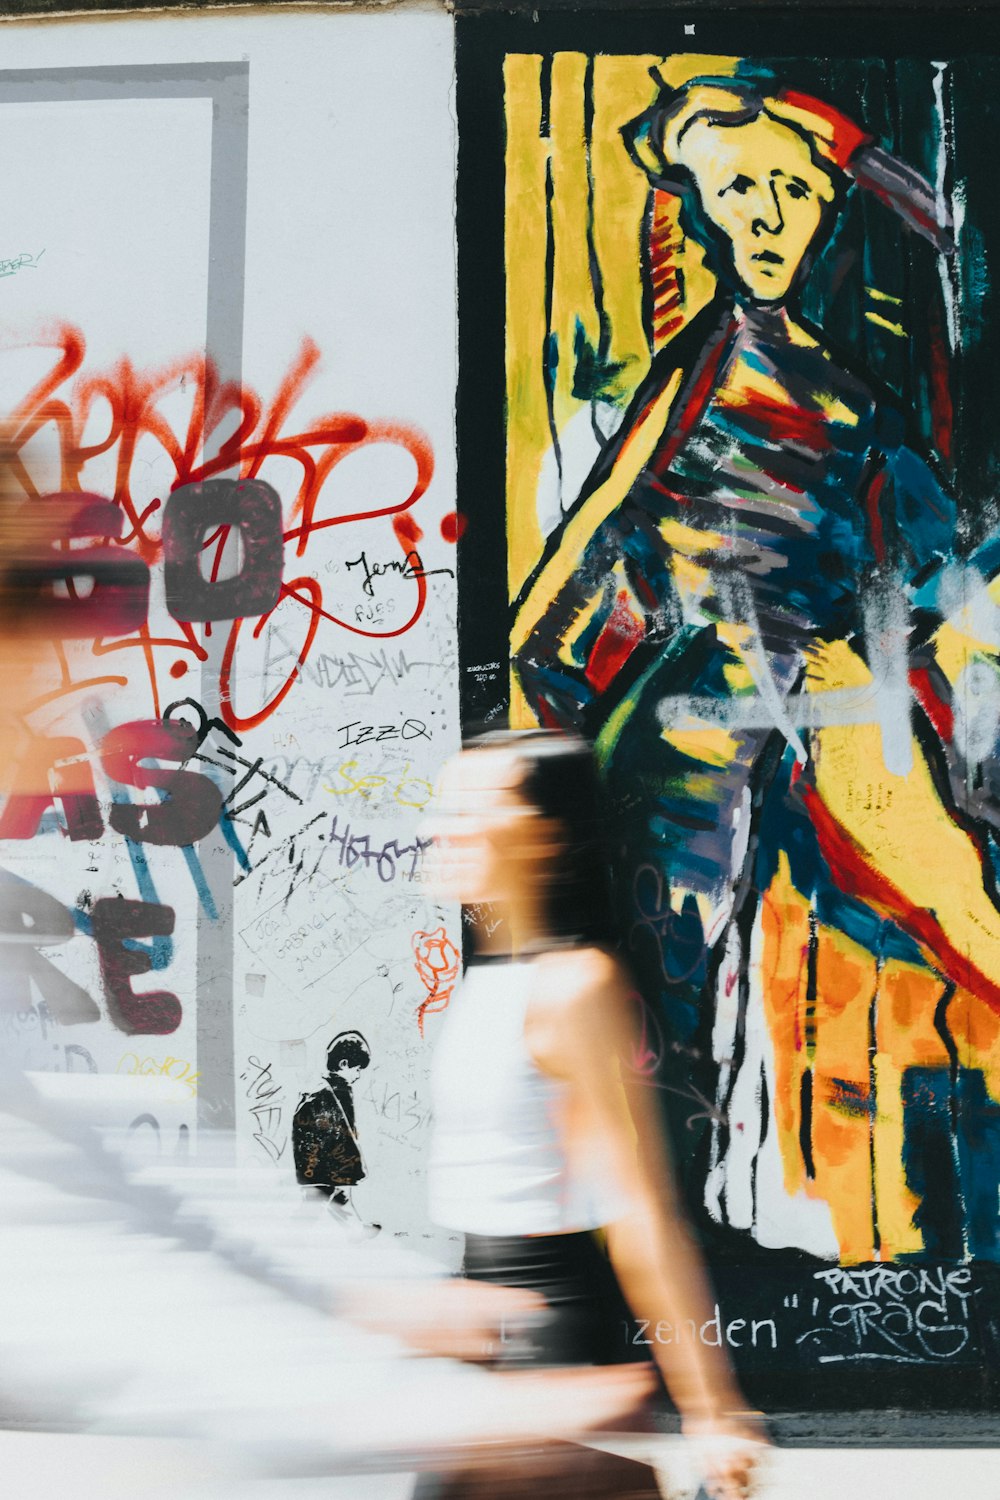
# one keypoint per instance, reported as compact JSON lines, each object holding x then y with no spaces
{"x":646,"y":1060}
{"x":408,"y":533}
{"x":288,"y":592}
{"x":782,"y":421}
{"x":664,"y":244}
{"x":837,"y":136}
{"x":942,"y":409}
{"x":250,"y":721}
{"x":615,"y":644}
{"x":875,"y":523}
{"x":937,"y":710}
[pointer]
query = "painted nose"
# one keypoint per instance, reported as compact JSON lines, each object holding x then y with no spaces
{"x":767,"y":218}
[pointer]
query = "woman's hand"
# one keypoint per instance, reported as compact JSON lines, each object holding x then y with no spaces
{"x":730,"y":1450}
{"x":456,"y":1319}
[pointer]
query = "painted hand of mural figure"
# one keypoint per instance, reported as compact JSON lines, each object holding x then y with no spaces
{"x":758,"y":560}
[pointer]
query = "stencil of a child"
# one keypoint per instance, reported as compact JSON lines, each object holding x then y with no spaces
{"x":324,"y":1132}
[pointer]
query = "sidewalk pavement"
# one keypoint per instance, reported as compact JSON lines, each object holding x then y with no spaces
{"x":36,"y":1466}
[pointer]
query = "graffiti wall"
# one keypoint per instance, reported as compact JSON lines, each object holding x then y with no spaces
{"x":227,"y":370}
{"x":727,"y":465}
{"x":743,"y":313}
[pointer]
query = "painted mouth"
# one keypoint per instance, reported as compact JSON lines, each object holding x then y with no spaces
{"x":771,"y":257}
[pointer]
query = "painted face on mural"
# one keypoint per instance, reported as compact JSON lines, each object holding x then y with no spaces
{"x":760,"y":187}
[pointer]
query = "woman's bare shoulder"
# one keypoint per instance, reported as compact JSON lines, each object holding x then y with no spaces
{"x":573,"y":978}
{"x":581,"y":1010}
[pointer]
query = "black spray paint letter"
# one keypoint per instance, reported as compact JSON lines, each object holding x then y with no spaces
{"x":196,"y":510}
{"x":157,"y":1012}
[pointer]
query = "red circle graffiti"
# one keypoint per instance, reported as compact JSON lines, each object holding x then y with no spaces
{"x":251,"y":721}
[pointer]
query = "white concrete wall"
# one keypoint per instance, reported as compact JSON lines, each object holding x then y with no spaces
{"x":126,"y":162}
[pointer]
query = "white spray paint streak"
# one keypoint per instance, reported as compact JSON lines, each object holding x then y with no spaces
{"x":948,"y":267}
{"x":887,"y":634}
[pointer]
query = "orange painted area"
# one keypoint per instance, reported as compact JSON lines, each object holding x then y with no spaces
{"x":976,"y":1033}
{"x":833,"y":1042}
{"x":905,"y":1030}
{"x":842,"y":1123}
{"x":857,"y":1146}
{"x":907,"y":1037}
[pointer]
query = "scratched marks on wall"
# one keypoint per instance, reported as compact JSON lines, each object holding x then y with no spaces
{"x":235,"y":623}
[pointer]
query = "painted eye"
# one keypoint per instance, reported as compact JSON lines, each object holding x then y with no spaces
{"x":740,"y":184}
{"x":796,"y":190}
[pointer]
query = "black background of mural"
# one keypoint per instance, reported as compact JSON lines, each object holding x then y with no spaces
{"x":878,"y":69}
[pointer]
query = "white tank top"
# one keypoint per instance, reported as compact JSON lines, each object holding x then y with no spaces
{"x":497,"y":1163}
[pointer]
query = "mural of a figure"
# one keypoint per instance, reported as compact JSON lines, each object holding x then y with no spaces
{"x":325,"y":1134}
{"x":762,"y":551}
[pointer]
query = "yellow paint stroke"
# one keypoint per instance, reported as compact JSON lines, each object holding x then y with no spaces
{"x":746,"y":385}
{"x":689,"y":540}
{"x":712,"y":746}
{"x":896,"y":328}
{"x":834,"y":410}
{"x":524,"y":239}
{"x":878,"y":296}
{"x":905,"y":1037}
{"x":739,"y":678}
{"x":901,"y":826}
{"x":584,"y":619}
{"x":975,"y":1031}
{"x":622,"y":88}
{"x":841,"y":1123}
{"x":572,"y":290}
{"x":683,"y":66}
{"x":833,"y":1043}
{"x":557,"y":572}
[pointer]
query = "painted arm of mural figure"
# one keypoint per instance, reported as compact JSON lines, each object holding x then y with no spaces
{"x":602,"y":584}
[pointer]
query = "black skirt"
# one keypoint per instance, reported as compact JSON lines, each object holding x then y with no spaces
{"x":587,"y":1320}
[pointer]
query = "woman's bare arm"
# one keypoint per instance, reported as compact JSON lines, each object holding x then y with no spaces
{"x":582,"y":1028}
